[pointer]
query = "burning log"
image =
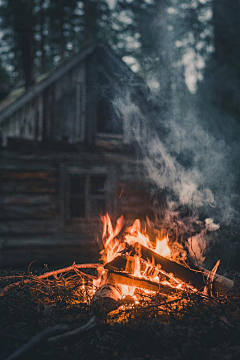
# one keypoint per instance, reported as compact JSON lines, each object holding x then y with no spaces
{"x":121,"y":278}
{"x":106,"y":299}
{"x":109,"y":296}
{"x":196,"y":278}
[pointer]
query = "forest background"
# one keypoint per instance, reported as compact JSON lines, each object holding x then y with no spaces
{"x":187,"y":52}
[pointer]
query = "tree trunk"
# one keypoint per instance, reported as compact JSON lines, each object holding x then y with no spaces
{"x":89,"y":32}
{"x":61,"y":34}
{"x":42,"y":22}
{"x":27,"y":45}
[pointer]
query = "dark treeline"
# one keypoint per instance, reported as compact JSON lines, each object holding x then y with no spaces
{"x":163,"y":40}
{"x":38,"y":34}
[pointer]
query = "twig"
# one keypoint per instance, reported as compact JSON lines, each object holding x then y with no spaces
{"x":183,"y":297}
{"x":152,"y":306}
{"x":92,"y":277}
{"x":48,"y":274}
{"x":36,"y":341}
{"x":90,"y":325}
{"x":29,"y":273}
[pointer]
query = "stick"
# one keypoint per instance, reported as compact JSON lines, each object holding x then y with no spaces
{"x":36,"y":340}
{"x":48,"y":274}
{"x":90,"y":325}
{"x":221,"y":285}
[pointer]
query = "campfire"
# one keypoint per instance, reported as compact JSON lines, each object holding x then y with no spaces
{"x":137,"y":263}
{"x":143,"y":271}
{"x":135,"y":266}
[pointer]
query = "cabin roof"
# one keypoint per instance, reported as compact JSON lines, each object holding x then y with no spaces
{"x":19,"y":97}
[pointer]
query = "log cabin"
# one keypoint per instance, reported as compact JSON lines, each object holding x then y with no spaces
{"x":67,"y":157}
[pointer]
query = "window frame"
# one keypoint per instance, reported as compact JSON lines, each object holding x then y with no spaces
{"x":88,"y":197}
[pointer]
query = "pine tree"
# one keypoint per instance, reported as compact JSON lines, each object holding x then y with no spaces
{"x":40,"y":33}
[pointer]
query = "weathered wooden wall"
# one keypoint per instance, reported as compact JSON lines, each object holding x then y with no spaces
{"x":64,"y":106}
{"x":58,"y":111}
{"x":28,"y":198}
{"x":26,"y":122}
{"x":33,"y":204}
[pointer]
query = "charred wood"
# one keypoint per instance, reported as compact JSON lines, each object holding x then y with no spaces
{"x":193,"y":277}
{"x":116,"y":278}
{"x":196,"y":278}
{"x":106,"y":299}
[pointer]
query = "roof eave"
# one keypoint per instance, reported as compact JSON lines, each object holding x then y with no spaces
{"x":38,"y":88}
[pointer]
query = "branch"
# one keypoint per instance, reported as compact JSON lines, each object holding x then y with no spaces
{"x":90,"y":325}
{"x":48,"y":274}
{"x":36,"y":341}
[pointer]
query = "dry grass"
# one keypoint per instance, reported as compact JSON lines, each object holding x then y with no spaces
{"x":159,"y":327}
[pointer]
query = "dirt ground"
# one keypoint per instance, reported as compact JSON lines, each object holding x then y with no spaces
{"x":195,"y":328}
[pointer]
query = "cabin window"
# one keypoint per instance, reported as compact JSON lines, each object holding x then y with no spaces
{"x":87,"y":195}
{"x":108,"y":121}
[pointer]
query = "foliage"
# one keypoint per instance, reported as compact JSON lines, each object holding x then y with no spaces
{"x":165,"y":40}
{"x":56,"y":28}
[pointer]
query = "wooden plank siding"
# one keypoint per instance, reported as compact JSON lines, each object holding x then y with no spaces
{"x":74,"y":103}
{"x":28,"y":201}
{"x":34,"y":203}
{"x":57,"y":112}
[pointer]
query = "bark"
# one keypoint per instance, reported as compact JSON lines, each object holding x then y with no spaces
{"x":89,"y":20}
{"x":106,"y":299}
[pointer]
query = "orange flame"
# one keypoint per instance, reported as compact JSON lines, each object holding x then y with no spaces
{"x":115,"y":243}
{"x":112,"y":245}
